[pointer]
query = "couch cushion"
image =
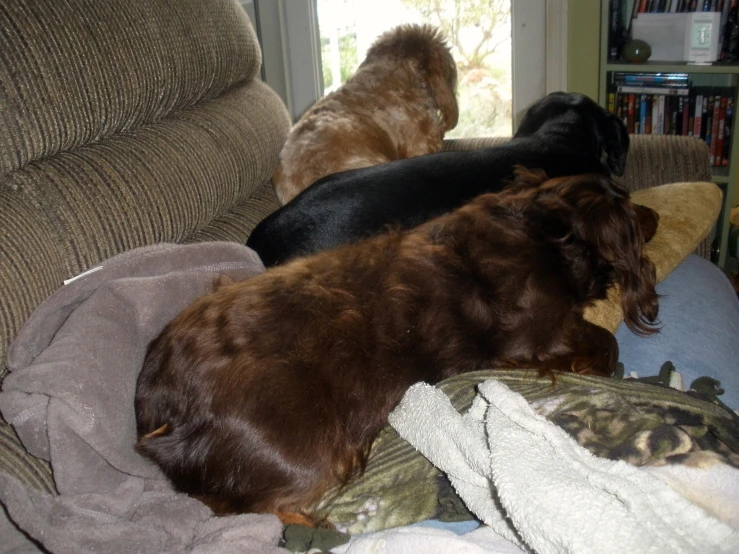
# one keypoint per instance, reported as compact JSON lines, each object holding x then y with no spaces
{"x":236,"y":224}
{"x":160,"y":182}
{"x":81,"y":70}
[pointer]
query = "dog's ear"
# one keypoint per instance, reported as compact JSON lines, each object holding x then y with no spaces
{"x":445,"y":96}
{"x":648,"y":221}
{"x":222,"y":280}
{"x":615,"y":143}
{"x":605,"y":218}
{"x":524,"y":178}
{"x":441,"y":75}
{"x":440,"y":71}
{"x":609,"y":129}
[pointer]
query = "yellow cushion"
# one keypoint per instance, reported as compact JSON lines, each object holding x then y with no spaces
{"x":688,"y":212}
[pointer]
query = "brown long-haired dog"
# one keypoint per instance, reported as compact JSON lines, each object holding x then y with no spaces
{"x":399,"y":104}
{"x":261,"y":395}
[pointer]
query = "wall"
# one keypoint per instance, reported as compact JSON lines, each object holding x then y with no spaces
{"x":583,"y":46}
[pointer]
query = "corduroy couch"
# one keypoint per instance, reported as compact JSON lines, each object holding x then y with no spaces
{"x":132,"y":122}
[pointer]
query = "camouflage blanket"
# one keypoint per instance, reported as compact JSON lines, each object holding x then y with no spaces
{"x":642,"y":423}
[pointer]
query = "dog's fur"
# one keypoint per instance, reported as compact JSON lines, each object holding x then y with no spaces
{"x":261,"y":395}
{"x":399,"y":103}
{"x":563,"y":134}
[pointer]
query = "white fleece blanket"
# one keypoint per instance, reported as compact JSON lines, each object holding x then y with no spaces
{"x":539,"y":491}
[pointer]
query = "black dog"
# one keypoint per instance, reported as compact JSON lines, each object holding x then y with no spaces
{"x":562,"y":134}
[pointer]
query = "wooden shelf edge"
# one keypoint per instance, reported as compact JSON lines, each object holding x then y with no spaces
{"x":672,"y":67}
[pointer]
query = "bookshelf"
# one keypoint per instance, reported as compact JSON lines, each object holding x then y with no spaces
{"x":716,"y":75}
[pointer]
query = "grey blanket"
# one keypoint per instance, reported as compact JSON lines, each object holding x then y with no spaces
{"x":70,"y":393}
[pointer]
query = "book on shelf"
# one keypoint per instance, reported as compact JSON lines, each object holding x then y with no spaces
{"x":728,"y":120}
{"x":644,"y":79}
{"x":614,"y":29}
{"x":656,"y":106}
{"x":720,"y":130}
{"x":642,"y":89}
{"x":708,"y":119}
{"x":680,"y":6}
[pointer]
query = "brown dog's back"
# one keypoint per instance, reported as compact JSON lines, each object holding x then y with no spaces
{"x":263,"y":387}
{"x":265,"y":393}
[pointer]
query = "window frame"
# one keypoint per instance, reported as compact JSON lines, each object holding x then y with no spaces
{"x":288,"y":34}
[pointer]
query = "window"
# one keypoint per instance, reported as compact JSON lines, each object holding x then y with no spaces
{"x":296,"y":38}
{"x":479,"y":34}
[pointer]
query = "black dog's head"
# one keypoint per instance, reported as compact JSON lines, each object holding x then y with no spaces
{"x":582,"y":124}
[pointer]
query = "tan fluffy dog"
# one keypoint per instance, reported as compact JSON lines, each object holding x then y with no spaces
{"x":398,"y":104}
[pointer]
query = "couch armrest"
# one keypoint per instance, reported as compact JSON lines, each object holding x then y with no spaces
{"x":659,"y":159}
{"x":653,"y":160}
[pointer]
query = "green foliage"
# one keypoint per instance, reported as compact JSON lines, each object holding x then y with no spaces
{"x":475,"y":29}
{"x":456,"y":18}
{"x":348,"y":63}
{"x":328,"y":80}
{"x":482,"y":113}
